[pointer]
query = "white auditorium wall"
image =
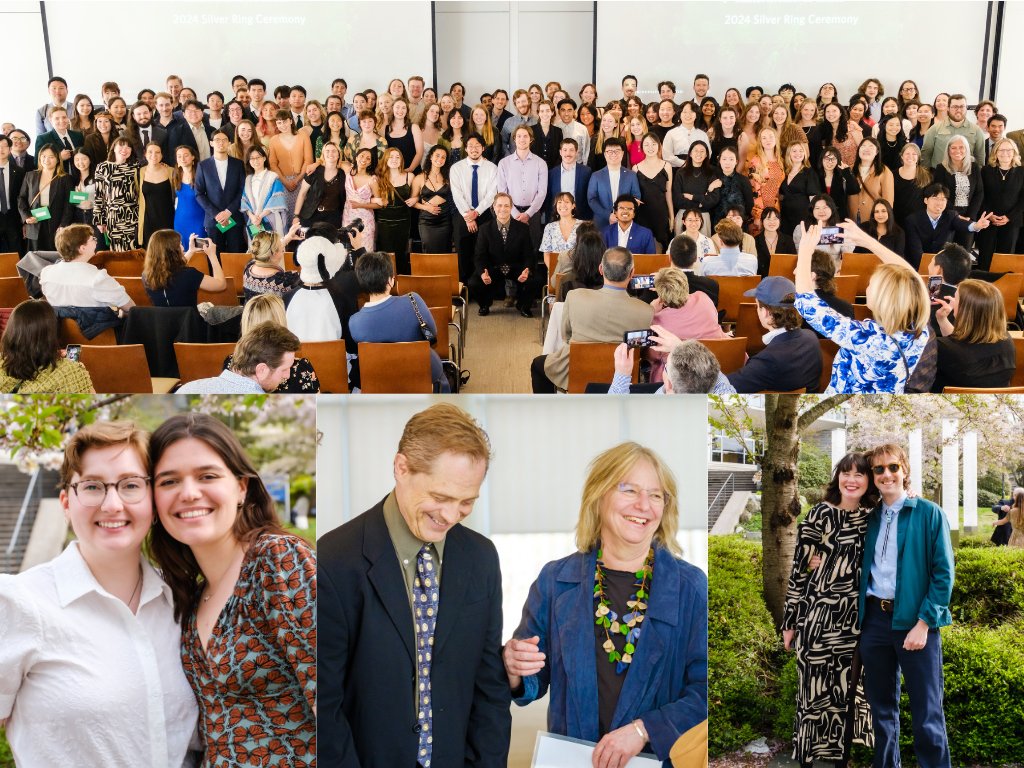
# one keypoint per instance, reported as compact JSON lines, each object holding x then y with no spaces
{"x":24,"y":82}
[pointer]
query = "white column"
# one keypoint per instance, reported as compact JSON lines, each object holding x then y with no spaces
{"x":915,"y":460}
{"x":970,"y":481}
{"x":838,"y":445}
{"x":950,"y":475}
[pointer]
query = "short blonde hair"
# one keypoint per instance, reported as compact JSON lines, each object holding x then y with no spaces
{"x":603,"y":476}
{"x":103,"y":434}
{"x":993,"y":160}
{"x":900,"y":299}
{"x":442,"y":428}
{"x":672,"y":287}
{"x":265,"y":308}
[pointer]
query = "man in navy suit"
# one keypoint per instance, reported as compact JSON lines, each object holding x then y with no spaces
{"x":929,"y":230}
{"x":62,"y":137}
{"x":626,"y":233}
{"x":410,"y":615}
{"x":569,"y":176}
{"x":220,"y":181}
{"x":607,"y":184}
{"x":791,"y":358}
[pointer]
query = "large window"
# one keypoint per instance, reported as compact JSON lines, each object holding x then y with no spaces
{"x":728,"y":449}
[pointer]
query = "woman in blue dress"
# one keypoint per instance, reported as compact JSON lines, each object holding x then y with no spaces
{"x":188,"y":214}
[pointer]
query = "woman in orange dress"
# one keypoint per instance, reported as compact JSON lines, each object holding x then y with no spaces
{"x":290,"y":153}
{"x":766,"y":174}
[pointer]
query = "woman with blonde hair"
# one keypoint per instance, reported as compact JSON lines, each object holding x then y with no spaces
{"x":168,"y":279}
{"x":322,"y":192}
{"x":689,"y":315}
{"x":245,"y":137}
{"x":765,"y":171}
{"x":876,"y":355}
{"x":269,"y":308}
{"x":1003,"y":183}
{"x":650,"y":658}
{"x":799,"y":186}
{"x":1016,"y":518}
{"x":265,"y":273}
{"x":977,"y":351}
{"x":609,"y":128}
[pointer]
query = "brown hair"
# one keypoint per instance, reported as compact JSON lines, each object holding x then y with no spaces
{"x":783,"y":317}
{"x":30,"y":342}
{"x":256,"y":517}
{"x":71,"y":238}
{"x":102,"y":434}
{"x":442,"y":428}
{"x":729,"y":233}
{"x":267,"y":343}
{"x":284,"y":114}
{"x":824,"y":268}
{"x":898,"y":453}
{"x":164,"y":257}
{"x":980,"y":314}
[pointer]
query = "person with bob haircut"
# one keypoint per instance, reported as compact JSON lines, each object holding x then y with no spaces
{"x":688,"y":315}
{"x":977,"y":351}
{"x":831,"y":711}
{"x":91,"y":648}
{"x":168,"y":279}
{"x":244,"y":592}
{"x":637,"y":680}
{"x":30,"y":358}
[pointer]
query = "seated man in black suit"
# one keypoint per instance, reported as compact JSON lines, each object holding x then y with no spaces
{"x":220,"y":181}
{"x":141,"y":130}
{"x":504,"y":261}
{"x":389,"y":694}
{"x":62,"y":137}
{"x":682,"y":250}
{"x":932,"y":228}
{"x":792,"y":358}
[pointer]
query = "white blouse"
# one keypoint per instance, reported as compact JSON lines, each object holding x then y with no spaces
{"x":83,"y":681}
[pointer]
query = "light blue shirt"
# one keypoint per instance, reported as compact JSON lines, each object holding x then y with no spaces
{"x":884,"y":566}
{"x":568,"y":180}
{"x":228,"y":383}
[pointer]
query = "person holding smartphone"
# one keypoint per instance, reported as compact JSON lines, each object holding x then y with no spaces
{"x":30,"y":358}
{"x":166,"y":276}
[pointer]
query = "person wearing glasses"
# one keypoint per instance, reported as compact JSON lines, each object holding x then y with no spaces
{"x":905,"y":589}
{"x":91,"y":648}
{"x":617,"y":631}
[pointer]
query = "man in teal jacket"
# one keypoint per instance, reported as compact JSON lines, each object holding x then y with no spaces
{"x":905,"y":590}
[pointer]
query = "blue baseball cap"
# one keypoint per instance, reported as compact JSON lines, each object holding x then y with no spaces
{"x":771,"y":291}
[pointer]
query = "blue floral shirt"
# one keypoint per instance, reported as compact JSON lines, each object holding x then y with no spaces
{"x":868,"y":360}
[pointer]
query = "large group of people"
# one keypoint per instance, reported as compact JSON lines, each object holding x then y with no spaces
{"x":512,"y":180}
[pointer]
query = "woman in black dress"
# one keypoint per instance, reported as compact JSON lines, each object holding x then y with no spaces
{"x":404,"y":135}
{"x":736,"y":189}
{"x":393,"y":220}
{"x":696,"y":185}
{"x":908,"y":181}
{"x":433,"y":197}
{"x":156,"y":203}
{"x":771,"y":239}
{"x":321,"y":197}
{"x":167,"y":278}
{"x":546,"y":136}
{"x":655,"y":178}
{"x":798,"y":187}
{"x":1003,"y":183}
{"x":837,"y":180}
{"x":891,"y":140}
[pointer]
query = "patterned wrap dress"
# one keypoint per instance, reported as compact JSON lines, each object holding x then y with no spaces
{"x":821,"y":605}
{"x":117,"y":203}
{"x":256,"y":679}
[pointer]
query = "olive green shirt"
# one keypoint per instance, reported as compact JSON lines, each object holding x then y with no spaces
{"x":407,"y":546}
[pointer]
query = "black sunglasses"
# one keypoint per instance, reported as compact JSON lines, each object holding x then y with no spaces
{"x":893,"y":468}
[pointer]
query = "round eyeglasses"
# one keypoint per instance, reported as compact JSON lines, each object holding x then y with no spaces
{"x":91,"y":493}
{"x":655,"y":496}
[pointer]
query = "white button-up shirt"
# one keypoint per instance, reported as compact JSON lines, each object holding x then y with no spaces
{"x":83,"y":681}
{"x":80,"y":284}
{"x":460,"y":177}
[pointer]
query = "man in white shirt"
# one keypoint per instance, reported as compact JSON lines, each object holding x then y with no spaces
{"x":58,"y":88}
{"x":261,"y":362}
{"x":74,"y":282}
{"x":573,"y":129}
{"x":474,"y":183}
{"x":730,"y":261}
{"x":677,"y":142}
{"x":524,"y":176}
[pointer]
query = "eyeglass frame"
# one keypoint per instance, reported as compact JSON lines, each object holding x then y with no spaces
{"x":623,"y":487}
{"x":106,"y":489}
{"x":879,"y":469}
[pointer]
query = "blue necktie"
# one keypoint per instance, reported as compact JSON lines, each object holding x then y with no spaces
{"x":474,"y":189}
{"x":425,"y":592}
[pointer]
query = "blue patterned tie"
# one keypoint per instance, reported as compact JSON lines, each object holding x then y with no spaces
{"x":425,"y":600}
{"x":474,"y":189}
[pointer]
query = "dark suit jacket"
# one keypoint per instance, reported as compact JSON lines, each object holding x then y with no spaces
{"x":579,"y":193}
{"x":599,"y":193}
{"x":492,"y":252}
{"x":921,"y":238}
{"x":974,"y":198}
{"x":157,"y":134}
{"x":366,"y":653}
{"x":180,"y":134}
{"x":213,"y":197}
{"x":790,"y":361}
{"x":50,"y":137}
{"x":14,"y":177}
{"x":703,"y":284}
{"x":60,"y":209}
{"x":641,"y":239}
{"x":30,"y":162}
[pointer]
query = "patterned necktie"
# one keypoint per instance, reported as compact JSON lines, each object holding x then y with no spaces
{"x":504,"y":233}
{"x":474,"y":189}
{"x":425,"y":602}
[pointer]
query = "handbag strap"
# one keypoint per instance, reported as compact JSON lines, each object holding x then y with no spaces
{"x":903,"y":357}
{"x":419,"y":317}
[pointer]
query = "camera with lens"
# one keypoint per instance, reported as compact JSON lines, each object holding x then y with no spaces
{"x":348,"y":232}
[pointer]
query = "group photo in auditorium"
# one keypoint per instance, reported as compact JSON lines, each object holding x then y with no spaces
{"x":405,"y":233}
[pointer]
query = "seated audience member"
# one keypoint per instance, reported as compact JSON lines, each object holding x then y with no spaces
{"x":730,"y":260}
{"x":791,"y":358}
{"x":74,"y":282}
{"x":269,"y":308}
{"x":682,"y":250}
{"x":687,"y":315}
{"x":928,"y":230}
{"x":625,"y":232}
{"x":771,"y":240}
{"x":314,"y":312}
{"x":951,"y":263}
{"x":884,"y":228}
{"x":823,"y":212}
{"x":976,"y":351}
{"x":266,"y":272}
{"x":582,"y":267}
{"x":31,"y":362}
{"x":691,"y":369}
{"x":609,"y":183}
{"x":603,"y":315}
{"x":385,"y":318}
{"x":168,"y":279}
{"x":262,"y":360}
{"x":504,"y":261}
{"x":737,"y":216}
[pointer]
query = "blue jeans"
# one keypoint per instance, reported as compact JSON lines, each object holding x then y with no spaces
{"x":883,"y":657}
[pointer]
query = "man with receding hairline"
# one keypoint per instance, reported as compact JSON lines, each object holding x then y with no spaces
{"x":409,"y":615}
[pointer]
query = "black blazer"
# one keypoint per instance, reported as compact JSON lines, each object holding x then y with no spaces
{"x":180,"y":134}
{"x":791,"y":361}
{"x":97,"y":150}
{"x":157,"y":134}
{"x":492,"y":252}
{"x":60,"y":209}
{"x":76,"y":138}
{"x":366,"y":653}
{"x":764,"y":256}
{"x":546,"y":147}
{"x":14,"y":177}
{"x":974,"y":365}
{"x":215,"y":198}
{"x":975,"y":197}
{"x":795,"y":198}
{"x":921,"y":238}
{"x":703,"y":284}
{"x":29,"y":162}
{"x":579,"y":193}
{"x":844,"y":184}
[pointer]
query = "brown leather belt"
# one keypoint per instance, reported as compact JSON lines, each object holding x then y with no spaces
{"x":885,"y":605}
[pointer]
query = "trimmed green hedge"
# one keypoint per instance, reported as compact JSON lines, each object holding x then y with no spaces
{"x":752,"y":682}
{"x":6,"y":758}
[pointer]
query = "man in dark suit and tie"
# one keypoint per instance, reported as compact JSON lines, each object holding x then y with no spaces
{"x":11,"y":177}
{"x":193,"y":131}
{"x":141,"y":130}
{"x":626,"y":233}
{"x":932,"y":228}
{"x":220,"y":181}
{"x":409,"y":615}
{"x":611,"y":181}
{"x":62,"y":137}
{"x":504,"y":261}
{"x":20,"y":155}
{"x":572,"y":177}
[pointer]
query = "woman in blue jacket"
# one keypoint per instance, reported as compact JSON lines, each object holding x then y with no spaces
{"x":618,"y":630}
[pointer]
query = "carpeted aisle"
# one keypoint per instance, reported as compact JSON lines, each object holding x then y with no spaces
{"x":499,"y":350}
